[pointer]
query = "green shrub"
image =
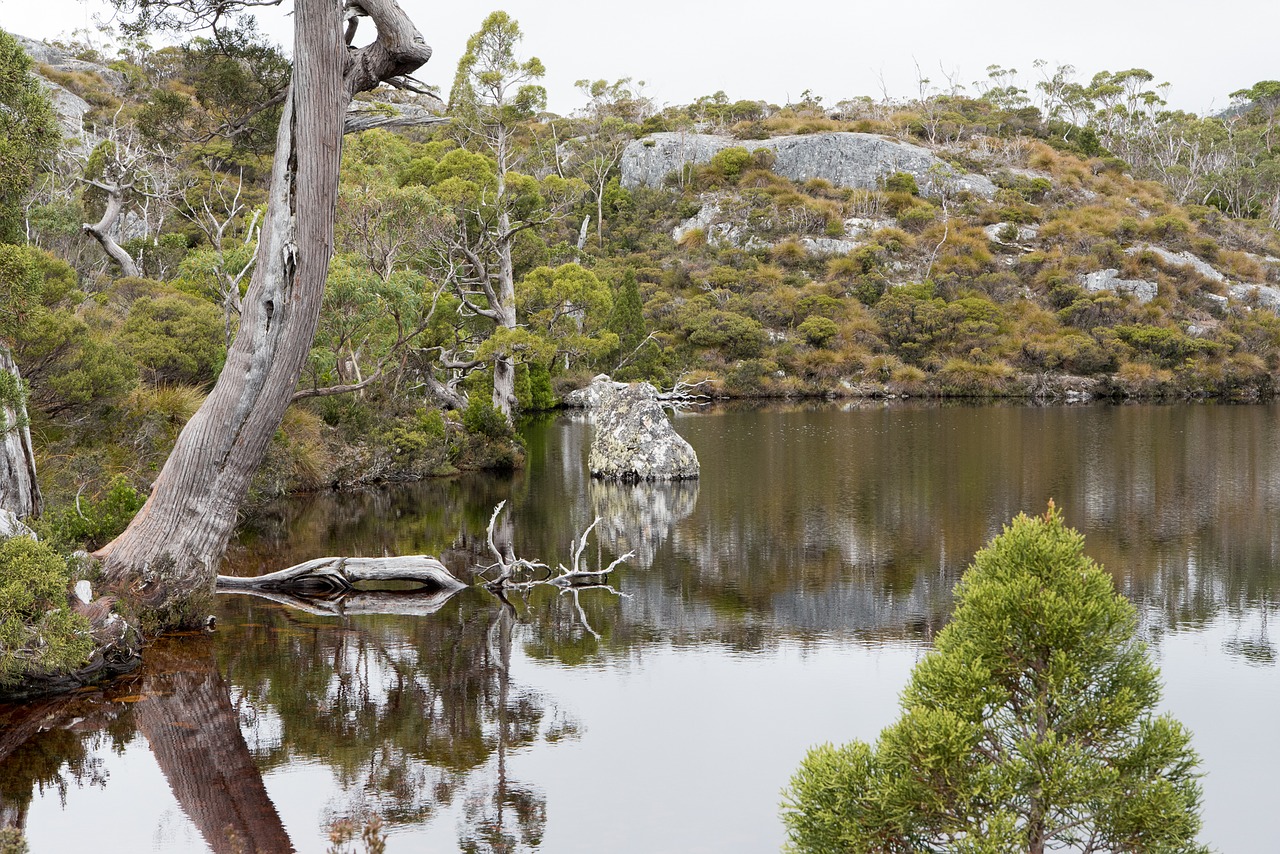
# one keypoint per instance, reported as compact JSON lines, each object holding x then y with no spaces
{"x":481,"y":418}
{"x":1032,"y":725}
{"x":729,"y":163}
{"x":176,"y":338}
{"x":737,"y":336}
{"x":901,"y":182}
{"x":1166,"y":345}
{"x":38,"y":631}
{"x":818,"y":330}
{"x":94,"y":522}
{"x":419,"y":444}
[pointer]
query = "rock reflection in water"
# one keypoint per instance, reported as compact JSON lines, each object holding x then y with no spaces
{"x":639,"y":517}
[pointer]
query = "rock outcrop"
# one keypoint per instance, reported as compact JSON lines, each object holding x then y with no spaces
{"x":633,"y":438}
{"x":1265,"y":296}
{"x":70,"y":108}
{"x":859,"y":160}
{"x":1109,"y":280}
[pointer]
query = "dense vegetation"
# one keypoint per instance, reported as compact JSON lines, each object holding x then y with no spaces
{"x":121,"y":326}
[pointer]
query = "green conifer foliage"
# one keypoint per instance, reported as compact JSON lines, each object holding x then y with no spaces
{"x":1031,"y":727}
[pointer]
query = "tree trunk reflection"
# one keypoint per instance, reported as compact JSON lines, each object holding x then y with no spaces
{"x":194,"y":732}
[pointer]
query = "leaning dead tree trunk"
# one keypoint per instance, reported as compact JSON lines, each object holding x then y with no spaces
{"x":166,"y":560}
{"x":19,"y":491}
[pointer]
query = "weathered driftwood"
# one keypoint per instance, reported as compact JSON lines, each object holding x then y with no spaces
{"x":342,"y":574}
{"x":363,"y":115}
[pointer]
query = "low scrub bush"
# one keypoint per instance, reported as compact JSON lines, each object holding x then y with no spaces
{"x":38,"y":631}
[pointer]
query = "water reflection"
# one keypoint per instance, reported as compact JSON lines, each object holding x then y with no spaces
{"x":637,"y":518}
{"x":180,"y":704}
{"x":815,"y":534}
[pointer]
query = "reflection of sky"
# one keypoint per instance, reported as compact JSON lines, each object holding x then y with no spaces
{"x":135,"y":811}
{"x":686,"y":749}
{"x":847,"y":529}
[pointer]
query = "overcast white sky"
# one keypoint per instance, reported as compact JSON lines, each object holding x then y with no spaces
{"x":773,"y":51}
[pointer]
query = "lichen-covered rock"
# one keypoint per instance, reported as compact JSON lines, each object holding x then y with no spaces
{"x":1178,"y":259}
{"x":859,"y":160}
{"x":589,"y":397}
{"x":1262,"y":295}
{"x":1109,"y":280}
{"x":1005,"y":233}
{"x":633,"y":438}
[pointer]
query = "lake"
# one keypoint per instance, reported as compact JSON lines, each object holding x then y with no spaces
{"x":777,"y":603}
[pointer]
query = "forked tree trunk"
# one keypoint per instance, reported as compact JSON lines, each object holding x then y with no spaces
{"x":165,"y":562}
{"x":19,"y":491}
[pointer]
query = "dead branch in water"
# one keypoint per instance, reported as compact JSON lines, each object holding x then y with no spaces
{"x":567,"y":579}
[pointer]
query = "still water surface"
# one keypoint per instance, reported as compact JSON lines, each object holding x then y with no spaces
{"x":779,"y":602}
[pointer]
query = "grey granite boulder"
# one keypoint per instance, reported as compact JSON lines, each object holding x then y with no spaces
{"x":1178,"y":259}
{"x":589,"y":397}
{"x":1261,"y":295}
{"x":1109,"y":280}
{"x":859,"y":160}
{"x":633,"y":438}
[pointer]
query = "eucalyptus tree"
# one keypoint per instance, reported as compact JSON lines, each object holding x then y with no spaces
{"x":166,"y":560}
{"x":610,"y":120}
{"x":494,"y":91}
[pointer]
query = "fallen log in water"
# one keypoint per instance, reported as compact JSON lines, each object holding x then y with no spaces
{"x":342,"y":574}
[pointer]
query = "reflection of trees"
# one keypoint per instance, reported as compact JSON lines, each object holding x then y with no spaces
{"x":410,"y":714}
{"x":45,"y":744}
{"x":180,"y":703}
{"x":194,"y":732}
{"x":502,"y":814}
{"x":811,"y":520}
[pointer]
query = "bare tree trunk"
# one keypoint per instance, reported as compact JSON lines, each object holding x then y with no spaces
{"x":19,"y":491}
{"x":504,"y":368}
{"x":101,"y":230}
{"x":166,"y":560}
